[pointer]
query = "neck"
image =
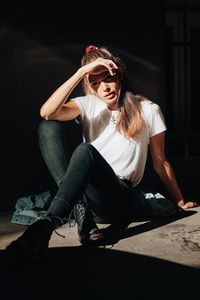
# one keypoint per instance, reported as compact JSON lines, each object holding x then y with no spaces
{"x":114,"y":106}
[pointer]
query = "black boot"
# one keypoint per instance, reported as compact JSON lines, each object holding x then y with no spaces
{"x":87,"y":228}
{"x":33,"y":242}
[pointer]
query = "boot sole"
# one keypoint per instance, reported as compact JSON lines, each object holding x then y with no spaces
{"x":84,"y":240}
{"x":96,"y":236}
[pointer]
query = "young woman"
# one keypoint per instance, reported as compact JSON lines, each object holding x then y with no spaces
{"x":103,"y":174}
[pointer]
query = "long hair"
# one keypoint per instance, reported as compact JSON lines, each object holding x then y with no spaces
{"x":130,"y":121}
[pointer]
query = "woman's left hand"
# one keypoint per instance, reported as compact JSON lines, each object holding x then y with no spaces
{"x":189,"y":204}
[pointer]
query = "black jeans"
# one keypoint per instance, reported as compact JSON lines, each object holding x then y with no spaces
{"x":85,"y":173}
{"x":80,"y":171}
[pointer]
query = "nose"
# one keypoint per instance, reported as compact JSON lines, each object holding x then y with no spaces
{"x":105,"y":86}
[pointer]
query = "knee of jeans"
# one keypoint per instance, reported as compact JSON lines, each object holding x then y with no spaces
{"x":85,"y":151}
{"x":164,"y":207}
{"x":48,"y":128}
{"x":84,"y":148}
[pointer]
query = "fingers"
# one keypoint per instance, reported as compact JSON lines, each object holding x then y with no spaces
{"x":109,"y":64}
{"x":190,"y":204}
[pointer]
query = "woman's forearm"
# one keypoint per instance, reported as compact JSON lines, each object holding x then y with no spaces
{"x":167,"y":176}
{"x":54,"y":103}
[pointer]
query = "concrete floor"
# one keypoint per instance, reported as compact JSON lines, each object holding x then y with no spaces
{"x":157,"y":258}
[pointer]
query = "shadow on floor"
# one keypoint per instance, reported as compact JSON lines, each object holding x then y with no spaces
{"x":86,"y":272}
{"x":97,"y":273}
{"x":115,"y":232}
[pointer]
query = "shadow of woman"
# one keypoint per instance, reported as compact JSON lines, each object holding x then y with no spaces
{"x":117,"y":231}
{"x":98,"y":273}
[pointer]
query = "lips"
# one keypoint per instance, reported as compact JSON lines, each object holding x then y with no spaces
{"x":110,"y":95}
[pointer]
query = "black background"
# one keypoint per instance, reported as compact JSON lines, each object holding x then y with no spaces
{"x":41,"y":45}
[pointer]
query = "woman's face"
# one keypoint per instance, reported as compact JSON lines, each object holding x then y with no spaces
{"x":106,"y":87}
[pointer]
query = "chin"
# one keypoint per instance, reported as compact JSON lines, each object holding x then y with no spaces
{"x":111,"y":101}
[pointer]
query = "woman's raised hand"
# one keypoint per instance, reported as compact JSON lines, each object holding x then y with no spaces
{"x":97,"y":66}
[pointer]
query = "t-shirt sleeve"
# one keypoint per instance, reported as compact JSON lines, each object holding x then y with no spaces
{"x":158,"y":123}
{"x":82,"y":103}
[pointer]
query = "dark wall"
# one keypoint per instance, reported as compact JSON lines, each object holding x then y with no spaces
{"x":41,"y":46}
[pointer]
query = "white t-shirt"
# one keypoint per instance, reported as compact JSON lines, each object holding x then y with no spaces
{"x":126,"y":157}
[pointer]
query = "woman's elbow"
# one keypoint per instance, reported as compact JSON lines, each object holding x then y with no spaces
{"x":45,"y":115}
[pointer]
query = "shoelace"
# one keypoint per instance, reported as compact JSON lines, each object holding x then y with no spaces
{"x":81,"y":212}
{"x":59,"y":234}
{"x":61,"y":221}
{"x":70,"y":219}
